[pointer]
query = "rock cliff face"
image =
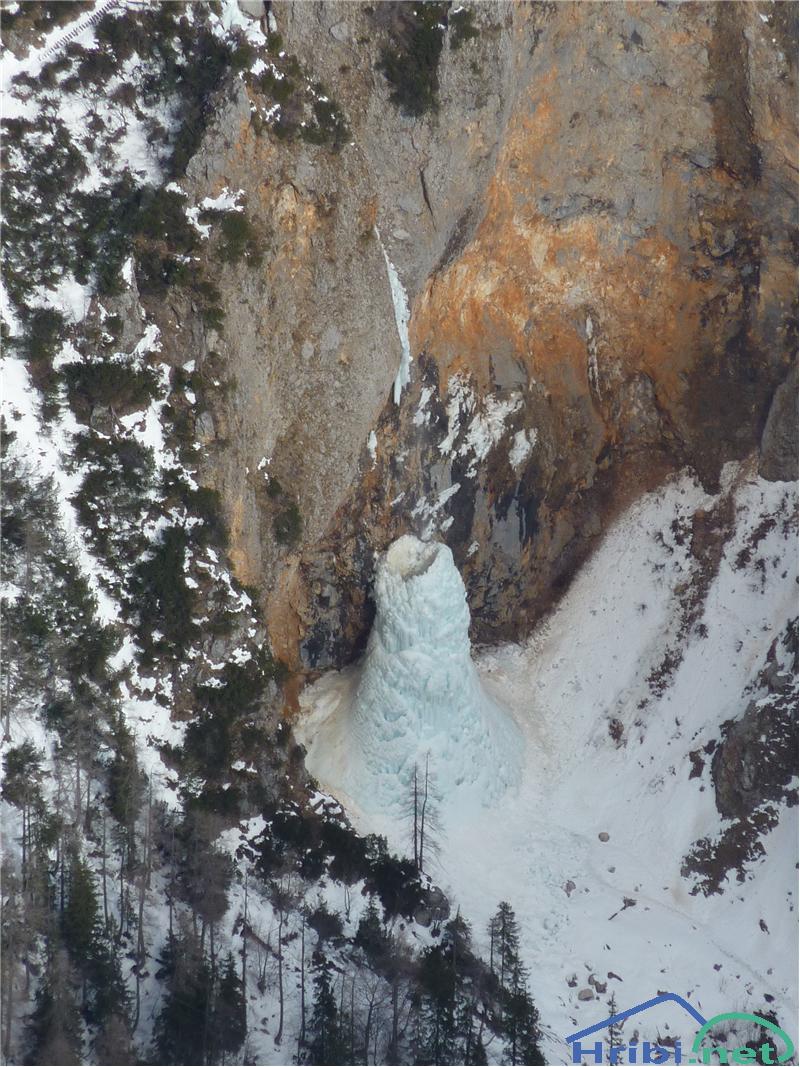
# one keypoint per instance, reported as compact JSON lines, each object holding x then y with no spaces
{"x":595,"y":228}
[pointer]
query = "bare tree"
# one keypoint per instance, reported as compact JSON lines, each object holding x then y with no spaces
{"x":244,"y":935}
{"x":423,"y":812}
{"x":10,"y":923}
{"x":144,"y":881}
{"x":301,"y":1037}
{"x":376,"y":998}
{"x":282,"y":898}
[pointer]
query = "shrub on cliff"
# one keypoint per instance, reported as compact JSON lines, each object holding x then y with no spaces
{"x":288,"y":524}
{"x":109,"y":383}
{"x":166,"y":602}
{"x":43,"y":335}
{"x":239,"y":239}
{"x":462,"y":28}
{"x":410,"y":63}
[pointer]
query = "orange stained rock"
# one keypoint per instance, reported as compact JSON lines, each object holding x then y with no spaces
{"x":529,"y":286}
{"x":241,"y":560}
{"x":283,"y":615}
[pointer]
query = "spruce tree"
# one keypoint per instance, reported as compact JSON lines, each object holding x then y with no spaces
{"x":180,"y":1034}
{"x":108,"y":996}
{"x":53,"y":1033}
{"x":326,"y":1040}
{"x":437,"y":1010}
{"x":477,"y":1057}
{"x":92,"y":954}
{"x":504,"y":942}
{"x":230,"y":1012}
{"x":22,"y":775}
{"x":520,"y":1021}
{"x":371,"y":936}
{"x":125,"y":781}
{"x":79,"y":919}
{"x":113,"y":1045}
{"x":614,"y":1029}
{"x":445,"y":1031}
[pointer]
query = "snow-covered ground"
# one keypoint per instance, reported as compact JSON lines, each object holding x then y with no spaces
{"x":606,"y":744}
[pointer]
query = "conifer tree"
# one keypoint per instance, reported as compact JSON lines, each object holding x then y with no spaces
{"x":422,"y":810}
{"x":79,"y":919}
{"x":54,"y":1027}
{"x":230,"y":1012}
{"x":180,"y":1034}
{"x":520,"y":1021}
{"x":326,"y":1036}
{"x":445,"y":1026}
{"x":477,"y":1054}
{"x":107,"y":996}
{"x":519,"y":1017}
{"x":125,"y":781}
{"x":282,"y":898}
{"x":504,"y":942}
{"x":12,"y":944}
{"x":113,"y":1045}
{"x":22,"y":775}
{"x":372,"y":937}
{"x":437,"y":1029}
{"x":465,"y":1028}
{"x":614,"y":1029}
{"x":94,"y":958}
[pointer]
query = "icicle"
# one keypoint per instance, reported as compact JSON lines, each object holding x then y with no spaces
{"x":401,"y":317}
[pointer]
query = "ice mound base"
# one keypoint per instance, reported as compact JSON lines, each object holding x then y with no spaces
{"x":416,"y":698}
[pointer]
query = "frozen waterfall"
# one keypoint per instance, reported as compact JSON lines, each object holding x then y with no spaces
{"x":416,"y":695}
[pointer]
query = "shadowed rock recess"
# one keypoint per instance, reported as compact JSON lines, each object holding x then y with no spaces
{"x":594,"y":222}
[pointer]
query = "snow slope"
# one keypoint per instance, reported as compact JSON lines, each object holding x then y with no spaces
{"x":607,"y":731}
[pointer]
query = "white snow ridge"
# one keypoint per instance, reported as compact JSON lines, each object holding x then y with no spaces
{"x":417,"y":696}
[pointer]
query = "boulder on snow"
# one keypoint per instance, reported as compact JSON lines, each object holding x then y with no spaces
{"x":603,"y":836}
{"x":586,"y":994}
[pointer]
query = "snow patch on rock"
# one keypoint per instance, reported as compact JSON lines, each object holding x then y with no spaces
{"x":521,"y":447}
{"x":473,"y":430}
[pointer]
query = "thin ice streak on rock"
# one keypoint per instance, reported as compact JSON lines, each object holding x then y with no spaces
{"x":401,"y":317}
